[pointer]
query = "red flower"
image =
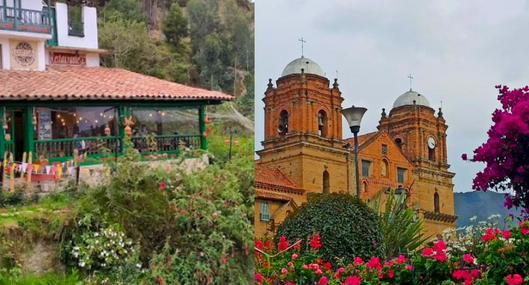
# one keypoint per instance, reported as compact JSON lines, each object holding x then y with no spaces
{"x":427,"y":252}
{"x":439,"y":246}
{"x":352,"y":280}
{"x":464,"y":156}
{"x":358,"y":261}
{"x":259,"y":244}
{"x":441,"y":256}
{"x":488,"y":236}
{"x":268,"y":244}
{"x":401,"y":259}
{"x":524,"y":228}
{"x":506,"y":234}
{"x":468,"y":258}
{"x":374,"y":263}
{"x":391,"y":274}
{"x":283,"y":243}
{"x":323,"y":281}
{"x":514,"y":279}
{"x":259,"y":278}
{"x":163,"y":186}
{"x":339,"y":272}
{"x":294,"y":256}
{"x":315,"y":243}
{"x":327,"y":266}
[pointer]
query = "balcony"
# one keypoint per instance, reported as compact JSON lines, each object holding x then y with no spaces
{"x":24,"y":20}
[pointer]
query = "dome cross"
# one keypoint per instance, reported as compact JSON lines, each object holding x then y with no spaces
{"x":303,"y":41}
{"x":411,"y":78}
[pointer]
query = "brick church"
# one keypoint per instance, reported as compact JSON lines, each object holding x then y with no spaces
{"x":304,"y":151}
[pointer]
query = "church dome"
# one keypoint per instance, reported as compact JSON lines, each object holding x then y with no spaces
{"x":308,"y":65}
{"x":408,"y":97}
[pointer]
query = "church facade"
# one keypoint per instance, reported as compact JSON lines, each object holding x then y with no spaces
{"x":304,"y":151}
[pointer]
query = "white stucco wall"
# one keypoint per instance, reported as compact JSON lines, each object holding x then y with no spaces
{"x":6,"y":60}
{"x":90,"y":28}
{"x":29,"y":4}
{"x":92,"y":60}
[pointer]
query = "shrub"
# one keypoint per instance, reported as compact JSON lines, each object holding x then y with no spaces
{"x":348,"y":226}
{"x":401,"y":228}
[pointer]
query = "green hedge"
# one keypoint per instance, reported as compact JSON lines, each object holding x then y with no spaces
{"x":348,"y":226}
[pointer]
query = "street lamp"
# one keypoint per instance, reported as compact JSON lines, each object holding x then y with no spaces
{"x":354,"y":115}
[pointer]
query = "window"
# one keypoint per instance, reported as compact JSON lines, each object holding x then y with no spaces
{"x":431,"y":154}
{"x":436,"y":203}
{"x":264,"y":215}
{"x":398,"y":142}
{"x":401,"y":174}
{"x":322,"y":123}
{"x":75,"y":21}
{"x":326,"y":183}
{"x":160,"y":121}
{"x":366,"y":167}
{"x":283,"y":123}
{"x":384,"y":149}
{"x":384,"y":168}
{"x":364,"y":186}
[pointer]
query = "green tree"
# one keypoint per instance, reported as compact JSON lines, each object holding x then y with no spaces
{"x":175,"y":26}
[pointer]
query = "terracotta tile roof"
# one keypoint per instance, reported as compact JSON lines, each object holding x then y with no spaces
{"x":361,"y":138}
{"x":271,"y":195}
{"x":95,"y":83}
{"x":273,"y":179}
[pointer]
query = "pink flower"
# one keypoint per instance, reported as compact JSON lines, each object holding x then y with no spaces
{"x":315,"y":243}
{"x":468,"y":258}
{"x":294,"y":256}
{"x":374,"y":263}
{"x":290,"y":264}
{"x":391,"y":274}
{"x":427,"y":252}
{"x":464,"y":156}
{"x":439,"y":246}
{"x":409,"y":267}
{"x":163,"y":186}
{"x":284,"y":271}
{"x":441,"y":256}
{"x":259,"y":278}
{"x":358,"y":261}
{"x":514,"y":279}
{"x":283,"y":243}
{"x":318,"y":271}
{"x":352,"y":280}
{"x":506,"y":234}
{"x":524,"y":228}
{"x":323,"y":281}
{"x":339,"y":273}
{"x":401,"y":259}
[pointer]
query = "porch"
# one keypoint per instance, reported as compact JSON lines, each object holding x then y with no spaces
{"x":16,"y":18}
{"x":54,"y":132}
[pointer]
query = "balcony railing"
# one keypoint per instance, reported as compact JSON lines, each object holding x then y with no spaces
{"x":24,"y":20}
{"x":93,"y":147}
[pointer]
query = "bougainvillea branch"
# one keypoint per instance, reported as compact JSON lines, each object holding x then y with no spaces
{"x":506,"y":151}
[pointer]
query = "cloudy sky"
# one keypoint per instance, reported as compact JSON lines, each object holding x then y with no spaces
{"x":456,"y":50}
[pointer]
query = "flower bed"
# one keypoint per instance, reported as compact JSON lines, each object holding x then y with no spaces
{"x":497,"y":257}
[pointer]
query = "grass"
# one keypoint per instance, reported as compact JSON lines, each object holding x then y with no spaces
{"x":15,"y":277}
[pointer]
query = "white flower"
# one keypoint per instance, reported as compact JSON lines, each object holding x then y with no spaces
{"x":81,"y":264}
{"x":138,"y":265}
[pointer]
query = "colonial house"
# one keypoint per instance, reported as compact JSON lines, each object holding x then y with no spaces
{"x":304,"y":151}
{"x":56,"y":99}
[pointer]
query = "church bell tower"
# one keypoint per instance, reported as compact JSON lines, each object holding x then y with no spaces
{"x":303,"y":128}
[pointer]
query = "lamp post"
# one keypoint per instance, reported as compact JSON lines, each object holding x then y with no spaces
{"x":354,"y":115}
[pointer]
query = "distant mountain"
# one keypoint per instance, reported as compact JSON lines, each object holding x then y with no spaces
{"x":480,"y":204}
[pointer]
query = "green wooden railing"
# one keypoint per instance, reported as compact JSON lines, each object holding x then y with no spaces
{"x":165,"y":143}
{"x":63,"y":149}
{"x":58,"y":150}
{"x":25,"y":20}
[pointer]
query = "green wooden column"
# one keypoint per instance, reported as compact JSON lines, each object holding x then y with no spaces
{"x":122,"y":114}
{"x":202,"y":127}
{"x":2,"y":133}
{"x":29,"y":146}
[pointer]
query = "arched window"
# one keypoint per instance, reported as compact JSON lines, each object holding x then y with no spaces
{"x":398,"y":142}
{"x":322,"y":123}
{"x":283,"y":123}
{"x":431,"y":154}
{"x":326,"y":182}
{"x":436,"y":203}
{"x":384,"y":168}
